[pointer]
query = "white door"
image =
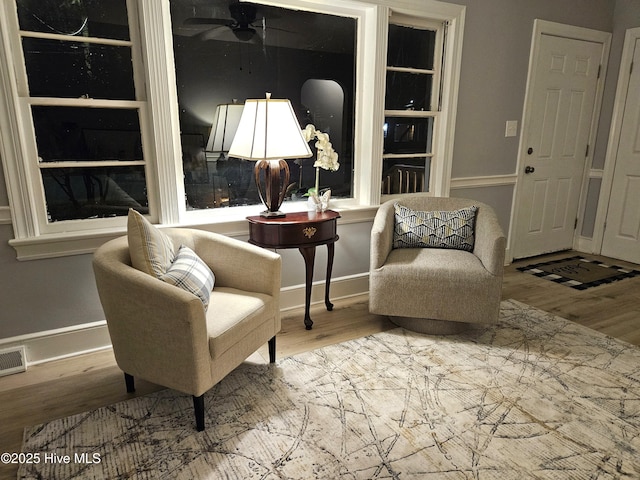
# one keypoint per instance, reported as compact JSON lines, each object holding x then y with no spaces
{"x":622,"y":232}
{"x":558,"y":118}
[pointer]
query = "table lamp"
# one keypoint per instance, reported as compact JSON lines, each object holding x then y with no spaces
{"x":269,"y":133}
{"x":223,"y":129}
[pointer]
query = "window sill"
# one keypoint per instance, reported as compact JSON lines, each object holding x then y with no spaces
{"x":233,"y":225}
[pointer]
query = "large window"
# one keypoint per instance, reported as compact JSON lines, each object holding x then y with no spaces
{"x":108,"y":105}
{"x":228,"y":52}
{"x":80,"y":91}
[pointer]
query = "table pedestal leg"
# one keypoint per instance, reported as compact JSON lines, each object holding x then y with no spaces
{"x":330,"y":250}
{"x":309,"y":255}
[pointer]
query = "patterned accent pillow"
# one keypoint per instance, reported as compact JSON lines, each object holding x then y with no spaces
{"x":453,"y":229}
{"x":190,"y":273}
{"x":151,"y":250}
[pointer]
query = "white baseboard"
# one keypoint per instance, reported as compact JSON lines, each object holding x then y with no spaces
{"x":61,"y":343}
{"x":343,"y":287}
{"x":68,"y":342}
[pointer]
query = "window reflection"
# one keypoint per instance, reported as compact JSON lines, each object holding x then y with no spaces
{"x":408,"y":91}
{"x":88,"y":18}
{"x":408,"y":135}
{"x":75,"y":193}
{"x":410,"y":47}
{"x":72,"y":69}
{"x":86,"y":134}
{"x":99,"y":136}
{"x":325,"y":98}
{"x":408,"y":175}
{"x":224,"y":54}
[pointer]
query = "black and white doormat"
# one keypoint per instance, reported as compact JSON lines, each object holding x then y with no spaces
{"x":579,"y":272}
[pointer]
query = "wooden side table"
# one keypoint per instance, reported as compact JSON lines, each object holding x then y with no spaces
{"x":304,"y":231}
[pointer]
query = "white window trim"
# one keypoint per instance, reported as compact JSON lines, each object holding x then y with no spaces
{"x":165,"y":185}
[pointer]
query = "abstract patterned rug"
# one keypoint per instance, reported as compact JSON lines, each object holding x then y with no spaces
{"x":534,"y":396}
{"x":579,"y":272}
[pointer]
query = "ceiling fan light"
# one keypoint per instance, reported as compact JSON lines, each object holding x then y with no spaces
{"x":244,"y":34}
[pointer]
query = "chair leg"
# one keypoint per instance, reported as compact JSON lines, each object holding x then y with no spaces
{"x":272,"y":349}
{"x":128,"y":380}
{"x":198,"y":406}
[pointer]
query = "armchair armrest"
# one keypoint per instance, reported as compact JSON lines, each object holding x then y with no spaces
{"x":235,"y":264}
{"x":490,"y":241}
{"x":381,"y":235}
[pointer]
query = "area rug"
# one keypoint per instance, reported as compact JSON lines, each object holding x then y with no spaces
{"x":579,"y":272}
{"x":534,"y":396}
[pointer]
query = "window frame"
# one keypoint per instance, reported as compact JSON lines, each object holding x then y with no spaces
{"x":436,"y":88}
{"x":161,"y":132}
{"x":32,"y":167}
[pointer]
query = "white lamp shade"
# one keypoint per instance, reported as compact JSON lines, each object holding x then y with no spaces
{"x":269,"y":130}
{"x":225,"y":124}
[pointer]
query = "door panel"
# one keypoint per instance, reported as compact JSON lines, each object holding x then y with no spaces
{"x":630,"y":211}
{"x":572,"y":135}
{"x":540,"y":189}
{"x":549,"y":122}
{"x":563,"y":91}
{"x":622,"y":233}
{"x":561,"y":216}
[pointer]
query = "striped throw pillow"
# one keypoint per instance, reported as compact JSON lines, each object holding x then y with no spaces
{"x":190,"y":273}
{"x":453,"y":229}
{"x":151,"y":250}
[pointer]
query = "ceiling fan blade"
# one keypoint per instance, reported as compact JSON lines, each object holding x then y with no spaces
{"x":216,"y":33}
{"x":274,"y":28}
{"x":264,"y":23}
{"x":208,"y":21}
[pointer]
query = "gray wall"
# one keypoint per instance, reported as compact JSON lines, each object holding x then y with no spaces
{"x":47,"y":294}
{"x":495,"y":60}
{"x":44,"y":294}
{"x":495,"y":57}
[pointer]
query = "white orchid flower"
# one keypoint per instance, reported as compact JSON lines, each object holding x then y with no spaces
{"x":326,"y":156}
{"x":309,"y":132}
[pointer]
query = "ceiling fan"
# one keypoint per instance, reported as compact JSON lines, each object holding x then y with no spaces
{"x":242,"y":23}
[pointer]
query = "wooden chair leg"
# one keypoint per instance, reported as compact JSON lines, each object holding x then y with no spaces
{"x":128,"y":380}
{"x":272,"y":349}
{"x":198,"y":406}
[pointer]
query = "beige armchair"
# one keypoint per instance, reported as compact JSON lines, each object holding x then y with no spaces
{"x":164,"y":334}
{"x":436,"y":290}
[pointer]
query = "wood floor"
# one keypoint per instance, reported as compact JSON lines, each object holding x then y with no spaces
{"x":66,"y":387}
